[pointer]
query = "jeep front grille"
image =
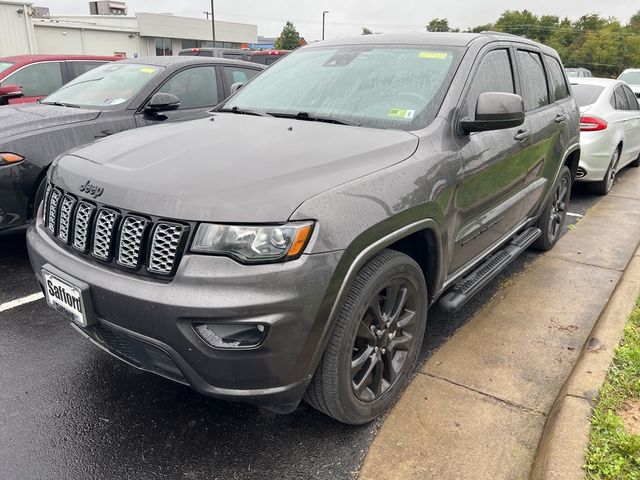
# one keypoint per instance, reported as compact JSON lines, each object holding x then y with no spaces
{"x":123,"y":239}
{"x":164,"y":245}
{"x":131,"y":237}
{"x":64,"y":224}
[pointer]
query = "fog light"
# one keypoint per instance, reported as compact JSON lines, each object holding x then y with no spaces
{"x":231,"y":336}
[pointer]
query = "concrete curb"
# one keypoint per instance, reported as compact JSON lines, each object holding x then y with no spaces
{"x":561,"y":453}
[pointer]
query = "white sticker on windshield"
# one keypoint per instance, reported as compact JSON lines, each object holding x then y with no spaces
{"x":401,"y":113}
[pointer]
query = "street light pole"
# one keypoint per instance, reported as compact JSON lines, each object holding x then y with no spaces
{"x":213,"y":25}
{"x":323,"y":15}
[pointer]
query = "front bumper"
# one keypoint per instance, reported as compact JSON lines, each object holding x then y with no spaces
{"x":596,"y":150}
{"x":149,"y":323}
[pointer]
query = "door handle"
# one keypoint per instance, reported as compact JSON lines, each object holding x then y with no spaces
{"x":560,"y":118}
{"x":522,"y":135}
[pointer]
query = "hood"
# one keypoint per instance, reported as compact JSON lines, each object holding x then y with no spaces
{"x":30,"y":117}
{"x":229,"y":168}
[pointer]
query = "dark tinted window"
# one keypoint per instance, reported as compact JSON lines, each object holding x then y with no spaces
{"x":558,"y":83}
{"x":196,"y":87}
{"x":163,"y":47}
{"x":620,"y":99}
{"x":533,"y":80}
{"x":261,"y":59}
{"x":236,"y":56}
{"x":78,"y":68}
{"x":238,"y":74}
{"x":586,"y":94}
{"x":494,"y":74}
{"x":38,"y":79}
{"x":632,"y":100}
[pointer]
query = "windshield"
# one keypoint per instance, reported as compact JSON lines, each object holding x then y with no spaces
{"x":375,"y":86}
{"x":5,"y":66}
{"x":571,"y":72}
{"x":586,"y":94}
{"x":105,"y":87}
{"x":632,"y":78}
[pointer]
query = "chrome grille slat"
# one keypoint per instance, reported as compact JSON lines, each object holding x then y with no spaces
{"x":45,"y":203}
{"x":52,"y":216}
{"x":84,"y":215}
{"x":94,"y":230}
{"x":164,"y":247}
{"x":130,"y":244}
{"x":103,"y":233}
{"x":66,"y":216}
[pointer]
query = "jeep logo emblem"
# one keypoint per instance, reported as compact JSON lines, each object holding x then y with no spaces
{"x":94,"y":190}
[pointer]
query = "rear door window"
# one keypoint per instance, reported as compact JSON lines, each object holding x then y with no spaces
{"x":533,"y":80}
{"x":558,"y":84}
{"x":37,"y":79}
{"x":632,"y":100}
{"x":620,"y":99}
{"x":77,"y":68}
{"x":195,"y":87}
{"x":495,"y":74}
{"x":238,"y":74}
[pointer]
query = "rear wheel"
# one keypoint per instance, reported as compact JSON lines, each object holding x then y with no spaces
{"x":551,"y":222}
{"x":604,"y":186}
{"x":375,"y":342}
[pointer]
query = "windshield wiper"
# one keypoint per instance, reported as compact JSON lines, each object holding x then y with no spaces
{"x":242,"y":111}
{"x":313,"y":118}
{"x":61,"y":104}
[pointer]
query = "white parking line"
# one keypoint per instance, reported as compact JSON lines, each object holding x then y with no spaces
{"x":574,"y":215}
{"x":21,"y":301}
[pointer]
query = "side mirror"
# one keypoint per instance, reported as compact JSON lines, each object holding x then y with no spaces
{"x":495,"y":111}
{"x":9,"y":91}
{"x":162,"y":102}
{"x":235,"y":87}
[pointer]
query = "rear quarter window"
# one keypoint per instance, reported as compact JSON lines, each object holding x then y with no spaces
{"x":559,"y":87}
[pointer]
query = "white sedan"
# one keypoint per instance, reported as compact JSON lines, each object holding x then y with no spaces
{"x":609,"y":130}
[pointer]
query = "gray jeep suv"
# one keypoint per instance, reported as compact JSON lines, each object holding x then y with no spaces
{"x":376,"y":176}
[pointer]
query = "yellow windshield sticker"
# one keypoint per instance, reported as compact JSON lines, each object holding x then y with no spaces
{"x":401,"y":113}
{"x":148,"y":70}
{"x":434,"y":55}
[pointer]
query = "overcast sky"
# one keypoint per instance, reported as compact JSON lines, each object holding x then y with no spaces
{"x":347,"y":17}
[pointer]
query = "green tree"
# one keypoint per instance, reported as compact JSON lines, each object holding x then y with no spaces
{"x":482,"y":28}
{"x":289,"y":38}
{"x":516,"y":22}
{"x":366,"y":31}
{"x":634,"y":23}
{"x":438,"y":25}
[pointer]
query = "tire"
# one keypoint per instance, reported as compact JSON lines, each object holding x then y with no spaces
{"x":552,"y":219}
{"x":385,"y":345}
{"x":604,"y":186}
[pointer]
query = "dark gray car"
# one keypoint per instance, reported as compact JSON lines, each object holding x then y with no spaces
{"x":383,"y":173}
{"x":110,"y":99}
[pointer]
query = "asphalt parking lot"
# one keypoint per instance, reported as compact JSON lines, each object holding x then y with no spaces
{"x":70,"y":411}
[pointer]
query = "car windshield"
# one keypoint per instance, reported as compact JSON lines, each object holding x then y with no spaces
{"x":571,"y":72}
{"x":586,"y":94}
{"x":105,"y":87}
{"x":5,"y":65}
{"x":632,"y":78}
{"x":377,"y":86}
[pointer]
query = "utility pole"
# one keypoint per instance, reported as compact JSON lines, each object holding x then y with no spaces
{"x":207,"y":14}
{"x":213,"y":24}
{"x":323,"y":15}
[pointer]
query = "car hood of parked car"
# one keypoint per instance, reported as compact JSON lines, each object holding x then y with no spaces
{"x":16,"y":120}
{"x":229,"y":167}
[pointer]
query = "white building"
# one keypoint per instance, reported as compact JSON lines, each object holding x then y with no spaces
{"x":142,"y":35}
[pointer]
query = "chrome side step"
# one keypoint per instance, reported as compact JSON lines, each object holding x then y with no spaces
{"x":468,"y":286}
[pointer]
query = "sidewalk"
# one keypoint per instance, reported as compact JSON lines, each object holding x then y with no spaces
{"x":479,"y":407}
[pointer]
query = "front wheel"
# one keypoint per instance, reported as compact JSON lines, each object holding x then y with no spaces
{"x":551,"y":222}
{"x":375,"y":343}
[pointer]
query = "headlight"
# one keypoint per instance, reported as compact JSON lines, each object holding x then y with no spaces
{"x":9,"y":159}
{"x":253,"y":244}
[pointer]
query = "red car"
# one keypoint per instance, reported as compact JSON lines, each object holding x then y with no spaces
{"x":27,"y":78}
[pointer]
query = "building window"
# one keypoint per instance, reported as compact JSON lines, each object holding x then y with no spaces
{"x":163,"y":47}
